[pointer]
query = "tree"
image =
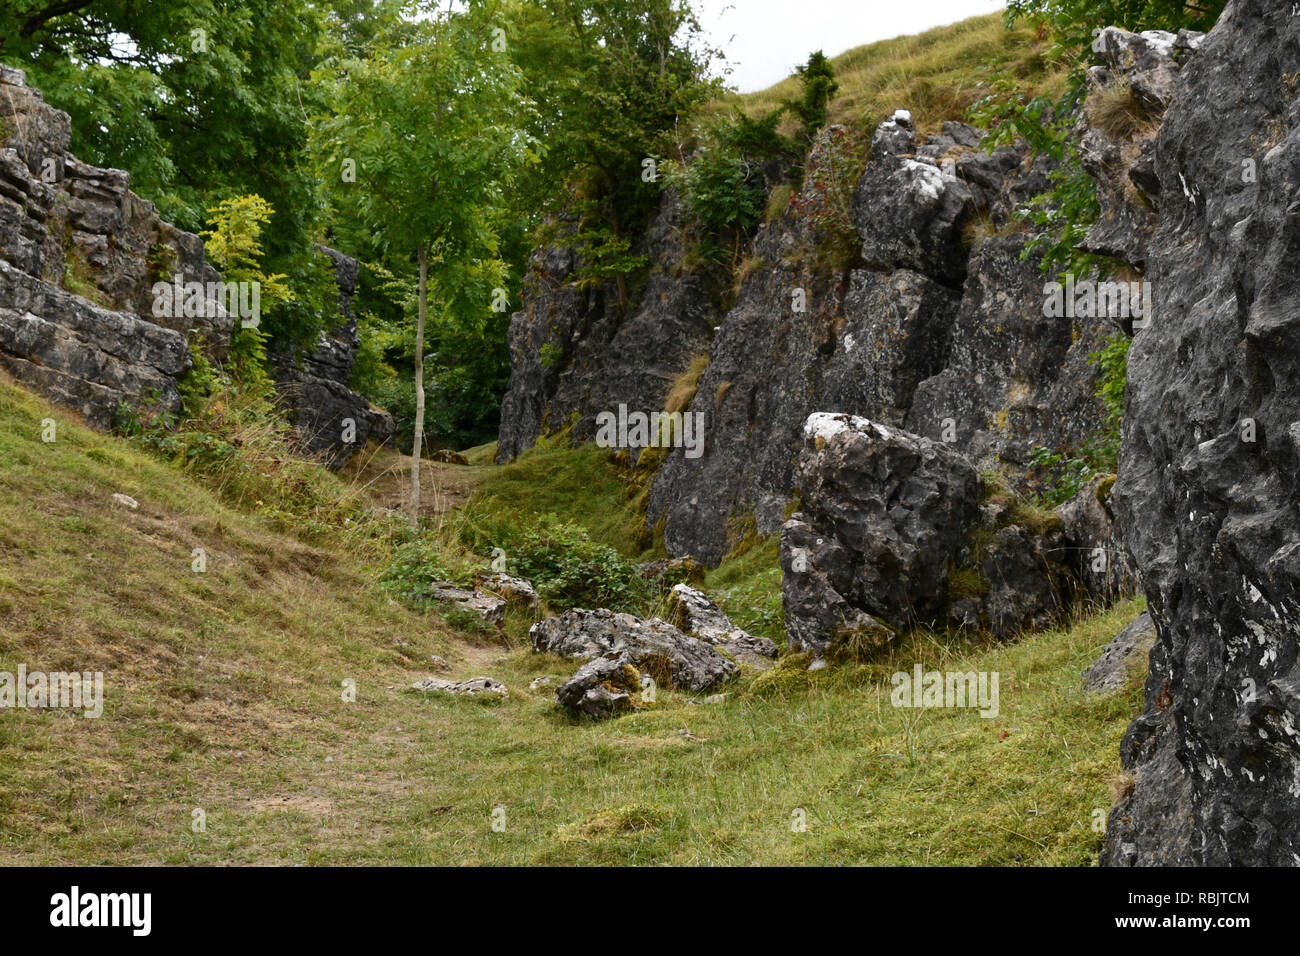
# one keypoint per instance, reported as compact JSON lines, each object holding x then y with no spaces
{"x":614,"y":81}
{"x":817,"y":87}
{"x":423,"y":144}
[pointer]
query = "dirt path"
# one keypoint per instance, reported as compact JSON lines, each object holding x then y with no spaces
{"x":386,"y":476}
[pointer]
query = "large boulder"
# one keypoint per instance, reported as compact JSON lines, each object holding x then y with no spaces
{"x":897,"y":532}
{"x":911,"y":215}
{"x":1207,"y":490}
{"x":672,"y":658}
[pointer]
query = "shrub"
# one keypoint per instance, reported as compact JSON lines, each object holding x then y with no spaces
{"x":570,"y":570}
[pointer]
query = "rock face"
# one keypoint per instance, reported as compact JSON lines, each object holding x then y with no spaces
{"x":574,"y":352}
{"x":1128,"y":94}
{"x":897,"y":531}
{"x":672,"y":658}
{"x":922,"y":331}
{"x":314,"y":386}
{"x":79,"y":255}
{"x":1207,"y":493}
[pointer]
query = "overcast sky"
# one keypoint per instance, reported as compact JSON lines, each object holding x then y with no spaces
{"x":764,"y":39}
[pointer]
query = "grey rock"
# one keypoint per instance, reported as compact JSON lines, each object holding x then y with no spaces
{"x":697,"y":615}
{"x":313,"y":385}
{"x":601,"y":688}
{"x":1210,"y":517}
{"x":513,"y":590}
{"x":474,"y":687}
{"x":672,"y":658}
{"x":1109,"y":672}
{"x":910,"y":215}
{"x":489,"y":607}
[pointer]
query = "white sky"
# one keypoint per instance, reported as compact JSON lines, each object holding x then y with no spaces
{"x":764,"y":39}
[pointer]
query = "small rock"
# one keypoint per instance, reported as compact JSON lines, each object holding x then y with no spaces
{"x":602,"y":688}
{"x":449,"y":457}
{"x":472,"y":687}
{"x":514,"y":590}
{"x":487,"y":606}
{"x":439,"y":663}
{"x":126,"y":501}
{"x":540,"y":682}
{"x":1109,"y":672}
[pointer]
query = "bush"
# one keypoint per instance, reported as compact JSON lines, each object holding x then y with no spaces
{"x":569,"y":570}
{"x":723,"y":187}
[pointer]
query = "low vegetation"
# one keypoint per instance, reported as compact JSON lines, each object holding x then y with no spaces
{"x":226,"y":698}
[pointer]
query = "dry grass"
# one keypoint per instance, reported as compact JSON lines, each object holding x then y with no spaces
{"x":937,"y":74}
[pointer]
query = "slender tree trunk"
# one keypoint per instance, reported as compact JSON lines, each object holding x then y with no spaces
{"x":419,"y":385}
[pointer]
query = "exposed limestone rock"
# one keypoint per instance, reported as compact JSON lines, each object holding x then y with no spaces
{"x":489,"y":607}
{"x":473,"y":687}
{"x":513,"y":590}
{"x":898,"y":531}
{"x":1128,"y":93}
{"x":315,"y":388}
{"x":698,"y":616}
{"x":80,"y":254}
{"x":1013,"y":378}
{"x":881,"y":344}
{"x":601,"y":688}
{"x":1109,"y":672}
{"x":82,"y":356}
{"x":656,"y":647}
{"x":572,"y":352}
{"x":1209,"y":515}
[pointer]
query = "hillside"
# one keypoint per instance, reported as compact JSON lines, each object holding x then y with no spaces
{"x":223,"y":693}
{"x":937,"y":74}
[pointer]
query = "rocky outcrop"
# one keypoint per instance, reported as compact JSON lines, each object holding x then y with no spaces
{"x":1207,"y":493}
{"x":80,"y":254}
{"x":897,"y":532}
{"x":656,"y":647}
{"x":1013,"y":378}
{"x":1128,"y":92}
{"x":931,"y":328}
{"x":331,"y":420}
{"x":576,"y":349}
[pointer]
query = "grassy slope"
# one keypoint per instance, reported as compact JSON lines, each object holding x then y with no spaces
{"x":223,"y":693}
{"x":936,"y":74}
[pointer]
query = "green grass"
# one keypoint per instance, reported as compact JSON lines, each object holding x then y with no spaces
{"x":937,"y":74}
{"x":223,"y":694}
